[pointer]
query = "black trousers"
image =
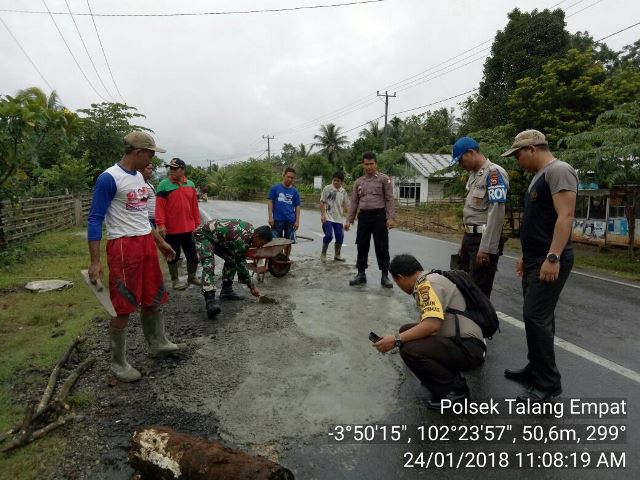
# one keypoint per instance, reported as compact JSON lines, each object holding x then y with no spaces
{"x":183,"y":241}
{"x":437,"y":361}
{"x":482,"y":275}
{"x":538,"y":311}
{"x":373,"y":222}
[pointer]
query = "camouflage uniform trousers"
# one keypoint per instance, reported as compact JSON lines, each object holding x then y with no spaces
{"x":206,"y":252}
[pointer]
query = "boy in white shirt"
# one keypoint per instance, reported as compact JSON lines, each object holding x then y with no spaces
{"x":334,"y":205}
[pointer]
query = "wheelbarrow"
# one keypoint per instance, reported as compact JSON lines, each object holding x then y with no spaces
{"x":272,"y":257}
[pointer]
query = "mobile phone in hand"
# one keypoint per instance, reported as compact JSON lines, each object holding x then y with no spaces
{"x":374,"y":338}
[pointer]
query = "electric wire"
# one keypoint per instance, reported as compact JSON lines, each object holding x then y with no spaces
{"x":87,"y":51}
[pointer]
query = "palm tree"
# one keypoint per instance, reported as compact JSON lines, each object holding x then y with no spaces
{"x":36,"y":95}
{"x":372,"y":131}
{"x":302,"y":150}
{"x":331,"y":142}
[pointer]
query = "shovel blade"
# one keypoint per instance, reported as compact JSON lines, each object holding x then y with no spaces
{"x":100,"y":292}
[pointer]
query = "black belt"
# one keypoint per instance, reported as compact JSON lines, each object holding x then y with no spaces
{"x":372,"y":211}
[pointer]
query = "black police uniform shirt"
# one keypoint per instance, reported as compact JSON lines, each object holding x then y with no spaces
{"x":539,"y":218}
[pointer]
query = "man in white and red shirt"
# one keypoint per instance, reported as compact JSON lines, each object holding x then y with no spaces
{"x":135,"y":279}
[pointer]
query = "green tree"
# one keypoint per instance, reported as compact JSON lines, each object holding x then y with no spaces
{"x":313,"y":165}
{"x":71,"y":174}
{"x":566,"y":98}
{"x":251,"y":176}
{"x":528,"y":41}
{"x":197,"y":175}
{"x":25,"y":123}
{"x":101,"y":132}
{"x":332,"y":143}
{"x":612,"y":150}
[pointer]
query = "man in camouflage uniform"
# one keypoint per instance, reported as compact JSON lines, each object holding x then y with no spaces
{"x":229,"y":239}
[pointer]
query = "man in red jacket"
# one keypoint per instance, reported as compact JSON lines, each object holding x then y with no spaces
{"x":177,"y":216}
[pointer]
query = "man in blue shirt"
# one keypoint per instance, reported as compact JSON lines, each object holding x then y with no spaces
{"x":284,"y":206}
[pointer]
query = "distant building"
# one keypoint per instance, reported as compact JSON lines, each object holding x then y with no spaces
{"x":420,"y":180}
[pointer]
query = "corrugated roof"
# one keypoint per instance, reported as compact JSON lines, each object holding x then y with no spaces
{"x":429,"y":163}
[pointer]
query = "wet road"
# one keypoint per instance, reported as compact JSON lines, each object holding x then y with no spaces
{"x":597,"y":353}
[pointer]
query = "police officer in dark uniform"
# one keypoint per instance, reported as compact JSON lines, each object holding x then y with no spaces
{"x":373,"y":195}
{"x":483,"y":213}
{"x":547,"y":259}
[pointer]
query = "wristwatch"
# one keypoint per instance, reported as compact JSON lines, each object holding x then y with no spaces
{"x":552,"y":257}
{"x":398,"y":341}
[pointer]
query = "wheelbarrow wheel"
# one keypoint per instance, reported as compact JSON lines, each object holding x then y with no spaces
{"x":279,"y":265}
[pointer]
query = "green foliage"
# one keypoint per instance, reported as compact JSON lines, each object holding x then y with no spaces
{"x":71,"y":174}
{"x":251,"y":176}
{"x":332,"y":143}
{"x":26,"y":121}
{"x":612,"y":150}
{"x":566,"y":98}
{"x":101,"y":132}
{"x":198,"y":175}
{"x":528,"y":41}
{"x":313,"y":165}
{"x":390,"y":160}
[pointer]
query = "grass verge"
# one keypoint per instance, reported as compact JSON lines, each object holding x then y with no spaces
{"x":35,"y":330}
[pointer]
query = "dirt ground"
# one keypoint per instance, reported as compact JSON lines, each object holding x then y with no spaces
{"x":263,"y":378}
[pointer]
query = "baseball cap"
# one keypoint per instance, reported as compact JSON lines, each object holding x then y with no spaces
{"x":176,"y":163}
{"x":462,"y":146}
{"x":138,"y":139}
{"x":526,"y":139}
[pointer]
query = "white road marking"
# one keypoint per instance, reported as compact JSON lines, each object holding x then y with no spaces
{"x":590,"y":275}
{"x":318,"y":234}
{"x":579,"y":351}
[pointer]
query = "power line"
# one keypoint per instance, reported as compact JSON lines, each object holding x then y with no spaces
{"x":406,"y":83}
{"x":87,"y":50}
{"x":194,"y":14}
{"x":103,"y":52}
{"x":583,"y":9}
{"x":26,"y":54}
{"x":619,"y":31}
{"x":71,"y":53}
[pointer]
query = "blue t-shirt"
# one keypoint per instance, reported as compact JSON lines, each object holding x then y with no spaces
{"x":285,"y":200}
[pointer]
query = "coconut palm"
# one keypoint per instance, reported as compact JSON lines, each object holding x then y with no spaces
{"x":36,"y":95}
{"x":373,"y":130}
{"x":332,"y":142}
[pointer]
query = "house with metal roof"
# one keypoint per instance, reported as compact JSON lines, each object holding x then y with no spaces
{"x":421,"y":179}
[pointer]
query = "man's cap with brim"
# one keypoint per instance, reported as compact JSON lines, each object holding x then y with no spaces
{"x":176,"y":163}
{"x":462,"y":146}
{"x":138,"y":139}
{"x":526,"y":138}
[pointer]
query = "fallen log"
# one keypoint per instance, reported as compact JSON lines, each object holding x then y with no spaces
{"x":162,"y":453}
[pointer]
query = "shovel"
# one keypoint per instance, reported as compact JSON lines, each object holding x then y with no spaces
{"x":101,"y":294}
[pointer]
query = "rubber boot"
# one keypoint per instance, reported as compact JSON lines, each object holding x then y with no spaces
{"x":153,"y":329}
{"x":119,"y":365}
{"x":359,"y":279}
{"x":212,"y":304}
{"x":192,"y":278}
{"x":227,"y":293}
{"x":175,"y":277}
{"x":337,"y":257}
{"x":323,"y":255}
{"x":384,"y":280}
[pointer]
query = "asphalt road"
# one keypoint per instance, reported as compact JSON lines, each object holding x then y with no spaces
{"x":597,"y":353}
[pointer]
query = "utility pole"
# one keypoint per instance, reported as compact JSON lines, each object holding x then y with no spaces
{"x":386,"y":112}
{"x":210,"y":162}
{"x":268,"y":145}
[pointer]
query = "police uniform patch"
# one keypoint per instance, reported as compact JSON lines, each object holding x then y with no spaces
{"x":428,"y":301}
{"x":496,"y":187}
